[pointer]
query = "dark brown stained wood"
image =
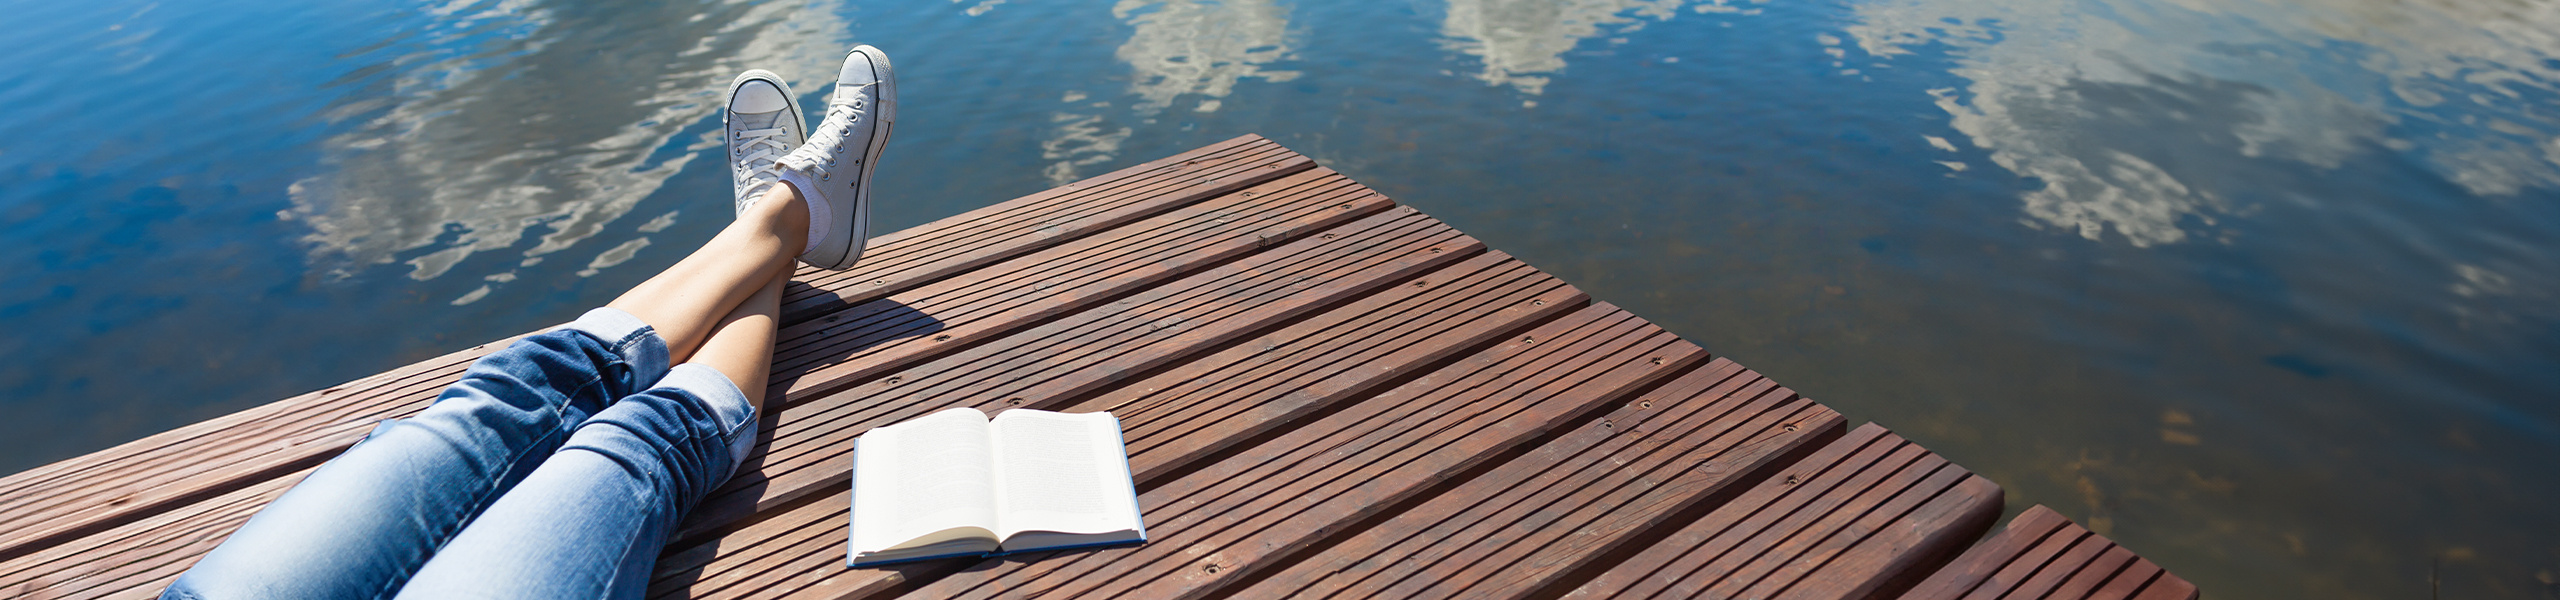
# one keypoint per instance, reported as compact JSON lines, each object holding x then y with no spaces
{"x":88,"y":494}
{"x":800,"y":455}
{"x":2084,"y":550}
{"x":1222,"y":522}
{"x":83,"y":495}
{"x":1322,"y":395}
{"x":2096,"y":573}
{"x":75,"y":569}
{"x":1310,"y":200}
{"x":1182,"y":415}
{"x":1434,"y":315}
{"x":1812,"y":530}
{"x":1064,"y":358}
{"x":980,"y":237}
{"x":2042,"y":554}
{"x":1517,"y":528}
{"x":826,"y":354}
{"x":1916,"y":528}
{"x":1975,"y":567}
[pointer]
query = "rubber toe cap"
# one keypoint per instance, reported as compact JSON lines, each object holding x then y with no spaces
{"x":758,"y":97}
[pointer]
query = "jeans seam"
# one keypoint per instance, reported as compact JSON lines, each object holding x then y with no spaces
{"x":630,"y":343}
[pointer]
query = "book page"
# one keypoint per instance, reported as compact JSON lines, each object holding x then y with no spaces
{"x":924,"y":481}
{"x":1061,"y":472}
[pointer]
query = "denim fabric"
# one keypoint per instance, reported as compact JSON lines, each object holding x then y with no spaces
{"x":589,"y":523}
{"x":362,"y":525}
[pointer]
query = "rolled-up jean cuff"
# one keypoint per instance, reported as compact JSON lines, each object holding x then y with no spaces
{"x":736,"y":415}
{"x":637,"y":343}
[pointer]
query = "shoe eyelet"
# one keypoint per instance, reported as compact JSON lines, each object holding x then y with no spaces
{"x":826,"y":176}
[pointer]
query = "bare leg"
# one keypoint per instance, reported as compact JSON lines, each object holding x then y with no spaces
{"x":741,"y":347}
{"x":685,"y":302}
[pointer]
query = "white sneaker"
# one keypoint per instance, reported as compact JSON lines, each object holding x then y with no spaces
{"x":833,"y":170}
{"x":761,"y":124}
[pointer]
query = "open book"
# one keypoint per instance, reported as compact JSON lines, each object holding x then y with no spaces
{"x":955,"y":483}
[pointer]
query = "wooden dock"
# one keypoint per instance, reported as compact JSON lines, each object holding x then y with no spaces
{"x":1325,"y":395}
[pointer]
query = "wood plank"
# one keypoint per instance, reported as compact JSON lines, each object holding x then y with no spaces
{"x":829,"y":353}
{"x":1959,"y":578}
{"x":1177,"y":180}
{"x":812,"y":432}
{"x":97,"y":491}
{"x":1194,"y":237}
{"x":2062,"y":567}
{"x":1522,"y":526}
{"x":118,"y":563}
{"x":1321,"y":397}
{"x":1433,"y":316}
{"x":1079,"y":353}
{"x":2098,"y":571}
{"x":1918,"y":529}
{"x":200,"y":461}
{"x":1174,"y":419}
{"x":2042,"y":554}
{"x":2130,"y":581}
{"x":2026,"y":564}
{"x":2168,"y":586}
{"x":984,"y":236}
{"x":1817,"y":529}
{"x":1224,"y":522}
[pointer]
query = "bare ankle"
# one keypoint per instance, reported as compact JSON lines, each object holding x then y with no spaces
{"x":785,"y":215}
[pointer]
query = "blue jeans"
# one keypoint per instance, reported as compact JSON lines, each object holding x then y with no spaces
{"x":555,"y":469}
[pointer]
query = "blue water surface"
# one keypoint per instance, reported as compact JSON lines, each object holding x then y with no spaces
{"x":2264,"y":289}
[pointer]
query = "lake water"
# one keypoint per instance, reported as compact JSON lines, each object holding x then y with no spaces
{"x":2265,"y":289}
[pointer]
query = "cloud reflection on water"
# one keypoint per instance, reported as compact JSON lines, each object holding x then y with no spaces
{"x":1177,"y":48}
{"x":2460,"y":86}
{"x":1521,"y":43}
{"x":519,"y":124}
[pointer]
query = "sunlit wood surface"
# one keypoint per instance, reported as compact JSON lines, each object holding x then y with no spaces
{"x":1325,"y":394}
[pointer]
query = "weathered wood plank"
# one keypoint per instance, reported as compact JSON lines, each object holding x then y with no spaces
{"x":812,"y":432}
{"x":1279,"y":210}
{"x":1176,"y":418}
{"x":126,"y":561}
{"x":899,"y":260}
{"x":1217,"y":525}
{"x":829,"y":353}
{"x":983,"y":236}
{"x":1813,"y":529}
{"x":1525,"y":524}
{"x":1902,"y":536}
{"x":83,"y":495}
{"x":1076,"y":354}
{"x":2095,"y":574}
{"x":1444,"y":310}
{"x":2042,"y":554}
{"x":1321,"y":397}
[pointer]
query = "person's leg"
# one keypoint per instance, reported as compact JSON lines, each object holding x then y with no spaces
{"x":687,"y":300}
{"x":362,"y":524}
{"x":742,"y":348}
{"x":366,"y":520}
{"x":591,"y":521}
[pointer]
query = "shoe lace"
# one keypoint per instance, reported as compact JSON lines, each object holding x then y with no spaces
{"x":818,"y":155}
{"x":759,"y":148}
